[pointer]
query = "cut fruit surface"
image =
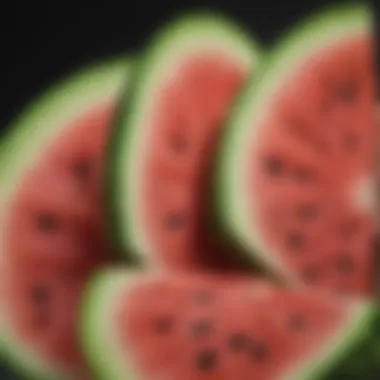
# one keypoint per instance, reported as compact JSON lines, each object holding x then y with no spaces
{"x":164,"y":144}
{"x":51,"y":229}
{"x":295,"y":181}
{"x":177,"y":327}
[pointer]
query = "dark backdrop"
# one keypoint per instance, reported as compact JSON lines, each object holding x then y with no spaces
{"x":40,"y":43}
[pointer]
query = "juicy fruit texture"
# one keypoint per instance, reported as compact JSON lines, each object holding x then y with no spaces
{"x":164,"y":147}
{"x":303,"y":201}
{"x":312,"y":174}
{"x":52,"y":234}
{"x":58,"y":219}
{"x":174,"y":327}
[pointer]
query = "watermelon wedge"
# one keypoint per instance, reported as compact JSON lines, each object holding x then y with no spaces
{"x":52,"y":231}
{"x":294,"y":183}
{"x":163,"y":145}
{"x":180,"y":327}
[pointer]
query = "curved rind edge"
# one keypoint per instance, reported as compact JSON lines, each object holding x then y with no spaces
{"x":109,"y":359}
{"x":336,"y":350}
{"x":99,"y":340}
{"x":192,"y":29}
{"x":330,"y":23}
{"x":87,"y":81}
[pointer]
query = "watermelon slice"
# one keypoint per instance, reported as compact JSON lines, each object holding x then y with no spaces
{"x":52,"y":234}
{"x":163,"y":145}
{"x":138,"y":326}
{"x":294,"y":182}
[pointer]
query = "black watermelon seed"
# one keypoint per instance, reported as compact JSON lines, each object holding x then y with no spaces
{"x":206,"y":360}
{"x":295,"y":240}
{"x":201,"y":328}
{"x":297,"y":322}
{"x":345,"y":263}
{"x":164,"y":325}
{"x":238,"y":342}
{"x":47,"y":222}
{"x":303,"y":175}
{"x":259,"y":350}
{"x":40,"y":294}
{"x":310,"y":274}
{"x":82,"y":169}
{"x":308,"y":211}
{"x":178,"y":143}
{"x":175,"y":220}
{"x":348,"y":92}
{"x":274,"y":166}
{"x":348,"y":229}
{"x":203,"y":297}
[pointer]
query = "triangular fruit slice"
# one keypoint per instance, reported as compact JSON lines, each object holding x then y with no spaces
{"x":52,"y":234}
{"x":294,"y":179}
{"x":163,"y":147}
{"x":188,"y":327}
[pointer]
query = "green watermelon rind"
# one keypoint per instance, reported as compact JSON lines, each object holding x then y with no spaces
{"x":188,"y":33}
{"x":103,"y":351}
{"x":109,"y":359}
{"x":230,"y":202}
{"x":44,"y":117}
{"x":335,"y":352}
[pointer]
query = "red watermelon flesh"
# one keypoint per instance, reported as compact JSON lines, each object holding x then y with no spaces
{"x":61,"y":238}
{"x":188,"y":328}
{"x":164,"y":150}
{"x":187,"y":120}
{"x":312,"y":170}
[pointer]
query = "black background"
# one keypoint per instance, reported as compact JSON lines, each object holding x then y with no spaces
{"x":39,"y":43}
